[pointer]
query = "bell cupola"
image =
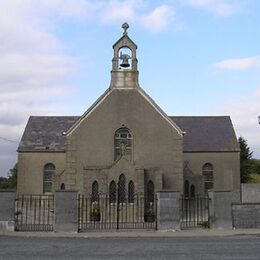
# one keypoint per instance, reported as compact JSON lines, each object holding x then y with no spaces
{"x":124,"y":74}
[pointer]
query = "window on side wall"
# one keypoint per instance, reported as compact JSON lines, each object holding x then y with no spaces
{"x":208,"y":176}
{"x":48,"y":175}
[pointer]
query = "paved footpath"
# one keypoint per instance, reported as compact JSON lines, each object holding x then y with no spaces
{"x":141,"y":233}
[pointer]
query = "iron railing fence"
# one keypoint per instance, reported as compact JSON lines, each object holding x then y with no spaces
{"x":34,"y":213}
{"x":102,"y":214}
{"x":194,"y":212}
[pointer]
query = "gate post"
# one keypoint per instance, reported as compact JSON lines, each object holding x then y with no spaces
{"x":66,"y":211}
{"x":220,"y":211}
{"x":168,"y":210}
{"x":7,"y":209}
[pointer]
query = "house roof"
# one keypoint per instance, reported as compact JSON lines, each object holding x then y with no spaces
{"x":203,"y":134}
{"x":45,"y":133}
{"x":207,"y":133}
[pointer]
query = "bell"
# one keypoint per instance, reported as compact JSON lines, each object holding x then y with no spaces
{"x":124,"y":58}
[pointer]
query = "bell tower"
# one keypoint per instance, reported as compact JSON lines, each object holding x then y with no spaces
{"x":124,"y":74}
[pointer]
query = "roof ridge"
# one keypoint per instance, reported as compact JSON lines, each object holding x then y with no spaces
{"x":53,"y":116}
{"x":202,"y":116}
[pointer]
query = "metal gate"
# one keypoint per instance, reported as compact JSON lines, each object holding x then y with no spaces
{"x":102,"y":213}
{"x":34,"y":213}
{"x":194,"y":212}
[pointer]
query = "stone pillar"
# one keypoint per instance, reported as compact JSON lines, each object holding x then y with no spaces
{"x":220,"y":209}
{"x":168,"y":210}
{"x":66,"y":211}
{"x":7,"y":209}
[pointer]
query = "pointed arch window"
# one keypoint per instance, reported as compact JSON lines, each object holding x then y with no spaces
{"x":186,"y":188}
{"x":121,"y":188}
{"x":150,"y":192}
{"x":62,"y":186}
{"x":95,"y":192}
{"x":192,"y":191}
{"x":48,"y":175}
{"x":112,"y":192}
{"x":131,"y":192}
{"x":123,"y":143}
{"x":207,"y":172}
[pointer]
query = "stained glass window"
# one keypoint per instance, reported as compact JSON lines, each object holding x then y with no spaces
{"x":123,"y":143}
{"x":112,"y":192}
{"x":131,"y":192}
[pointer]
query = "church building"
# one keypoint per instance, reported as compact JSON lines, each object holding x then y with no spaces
{"x":125,"y":139}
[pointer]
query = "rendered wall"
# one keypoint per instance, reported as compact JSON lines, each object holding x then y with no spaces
{"x":30,"y":171}
{"x":250,"y":193}
{"x":156,"y":144}
{"x":226,"y":169}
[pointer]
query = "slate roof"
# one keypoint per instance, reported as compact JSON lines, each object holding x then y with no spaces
{"x":207,"y":133}
{"x":44,"y":133}
{"x":203,"y":134}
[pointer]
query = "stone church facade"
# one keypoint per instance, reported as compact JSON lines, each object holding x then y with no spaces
{"x":124,"y":138}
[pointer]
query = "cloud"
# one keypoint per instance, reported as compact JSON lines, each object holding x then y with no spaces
{"x":244,"y":112}
{"x":239,"y":64}
{"x":135,"y":11}
{"x":118,"y":11}
{"x":33,"y":68}
{"x":218,"y":7}
{"x":159,"y":19}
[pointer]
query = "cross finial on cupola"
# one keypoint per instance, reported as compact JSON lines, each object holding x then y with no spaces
{"x":125,"y":26}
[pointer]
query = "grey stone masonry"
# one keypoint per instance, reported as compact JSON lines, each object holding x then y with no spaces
{"x":7,"y":209}
{"x":220,"y":209}
{"x":168,"y":210}
{"x":246,"y":215}
{"x":66,"y":215}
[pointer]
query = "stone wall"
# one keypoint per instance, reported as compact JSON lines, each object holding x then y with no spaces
{"x":250,"y":193}
{"x":7,"y":208}
{"x":220,"y":209}
{"x":246,"y":215}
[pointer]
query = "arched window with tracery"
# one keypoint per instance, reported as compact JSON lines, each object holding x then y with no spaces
{"x":95,"y":192}
{"x":186,"y":188}
{"x":123,"y":143}
{"x":112,"y":192}
{"x":207,"y":172}
{"x":150,"y":192}
{"x":48,"y":175}
{"x":121,"y":188}
{"x":131,"y":192}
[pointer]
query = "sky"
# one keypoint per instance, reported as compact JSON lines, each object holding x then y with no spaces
{"x":195,"y":57}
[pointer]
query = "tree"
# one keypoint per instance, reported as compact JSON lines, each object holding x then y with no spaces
{"x":257,"y":165}
{"x":9,"y":182}
{"x":247,"y":166}
{"x":12,"y":177}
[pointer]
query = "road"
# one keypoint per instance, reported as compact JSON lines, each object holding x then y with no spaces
{"x":235,"y":247}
